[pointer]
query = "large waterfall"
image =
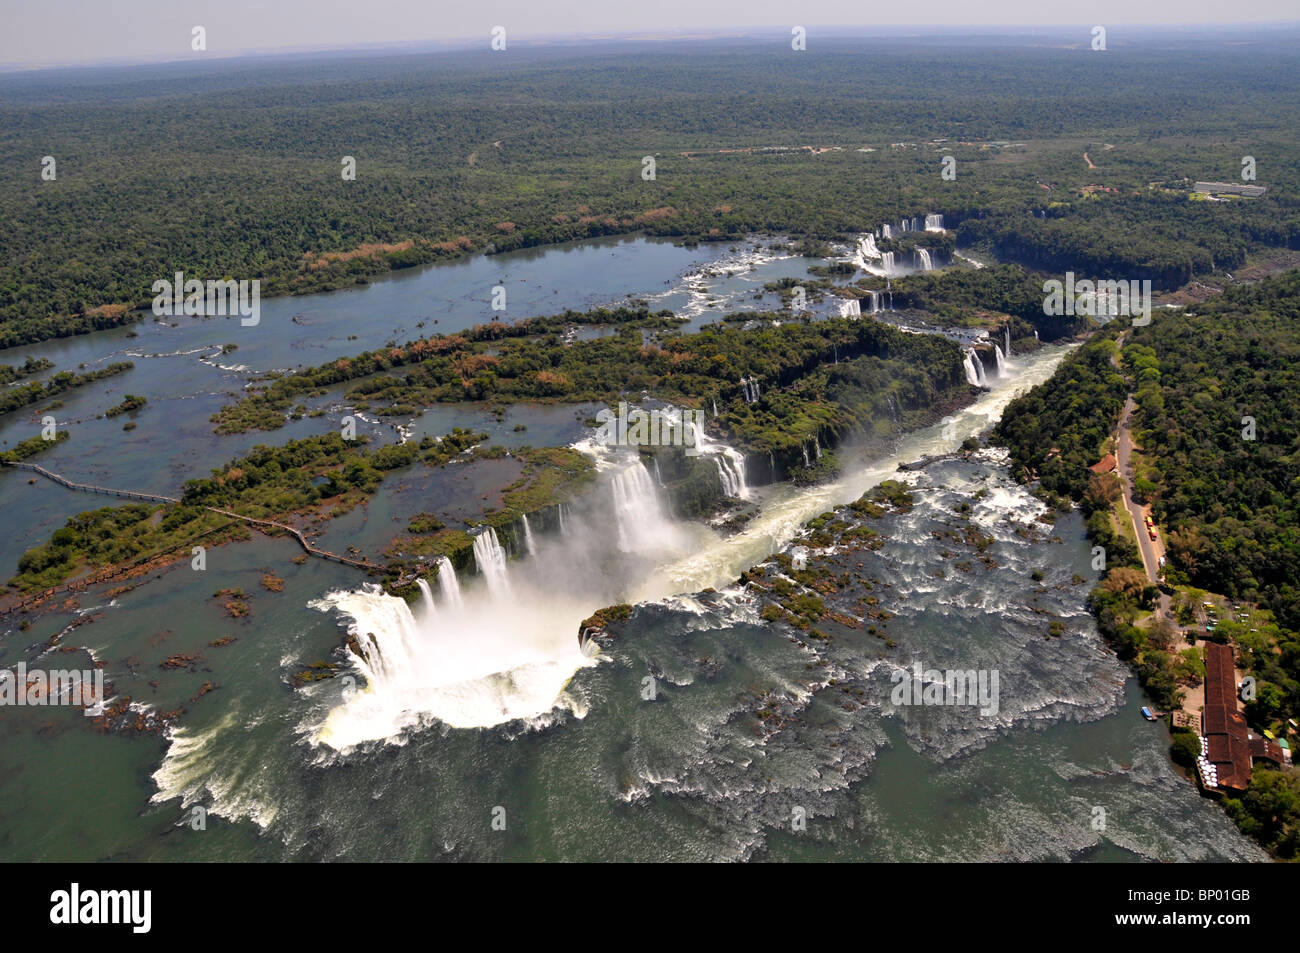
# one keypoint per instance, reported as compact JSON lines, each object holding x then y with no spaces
{"x":875,"y":301}
{"x":887,"y":262}
{"x":934,"y":223}
{"x":641,"y":522}
{"x":491,"y":561}
{"x":867,"y":248}
{"x":850,"y":308}
{"x":923,"y":256}
{"x":974,"y":368}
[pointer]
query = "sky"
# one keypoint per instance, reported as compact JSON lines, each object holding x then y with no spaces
{"x":83,"y":32}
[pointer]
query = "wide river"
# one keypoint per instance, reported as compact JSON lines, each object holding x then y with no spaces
{"x":484,"y":733}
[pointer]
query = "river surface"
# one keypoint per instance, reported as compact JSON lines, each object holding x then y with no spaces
{"x":477,"y":728}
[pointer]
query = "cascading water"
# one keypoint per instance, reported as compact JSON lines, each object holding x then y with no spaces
{"x":498,"y":660}
{"x":491,"y":561}
{"x":971,"y":363}
{"x":934,"y":223}
{"x":641,"y":522}
{"x":867,"y":247}
{"x":886,"y":231}
{"x":916,"y":225}
{"x":887,"y":262}
{"x":564,"y":528}
{"x":1008,"y":335}
{"x":528,"y":532}
{"x":448,"y":583}
{"x":923,"y":257}
{"x":850,"y":308}
{"x":426,"y":597}
{"x":997,"y":356}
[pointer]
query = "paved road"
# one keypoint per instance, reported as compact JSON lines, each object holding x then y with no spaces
{"x":1151,"y":550}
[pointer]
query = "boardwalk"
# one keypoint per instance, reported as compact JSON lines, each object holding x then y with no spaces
{"x":265,"y":525}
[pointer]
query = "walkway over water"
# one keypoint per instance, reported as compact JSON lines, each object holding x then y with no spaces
{"x":268,"y":526}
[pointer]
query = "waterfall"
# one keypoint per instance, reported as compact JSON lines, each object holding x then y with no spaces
{"x":886,"y":232}
{"x":971,"y":363}
{"x":528,"y":533}
{"x":1035,"y":334}
{"x":715,"y":409}
{"x":1008,"y":330}
{"x":934,"y":223}
{"x":887,"y":262}
{"x":850,"y":308}
{"x":867,"y":248}
{"x":729,"y":461}
{"x":817,"y":445}
{"x":426,"y":596}
{"x":916,"y":224}
{"x":491,"y":561}
{"x":997,"y":356}
{"x":642,"y":524}
{"x":731,"y":473}
{"x":903,"y":224}
{"x":875,"y":302}
{"x":659,"y":477}
{"x":806,"y":462}
{"x":564,"y":529}
{"x":448,"y":583}
{"x":924,"y":257}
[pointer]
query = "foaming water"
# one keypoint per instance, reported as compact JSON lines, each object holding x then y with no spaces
{"x":784,"y":509}
{"x":507,"y":648}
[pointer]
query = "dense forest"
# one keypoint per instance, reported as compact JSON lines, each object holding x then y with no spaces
{"x":235,"y":170}
{"x":1218,"y":396}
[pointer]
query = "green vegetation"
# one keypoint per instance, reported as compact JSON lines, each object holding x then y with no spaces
{"x":130,"y":403}
{"x":31,"y":447}
{"x":744,"y":144}
{"x":884,"y":378}
{"x":9,"y":374}
{"x":13,"y":398}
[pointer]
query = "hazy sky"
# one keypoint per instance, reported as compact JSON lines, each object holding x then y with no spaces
{"x":87,"y":31}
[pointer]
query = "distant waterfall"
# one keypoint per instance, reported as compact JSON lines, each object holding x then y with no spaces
{"x":923,"y":256}
{"x":491,"y":561}
{"x":850,"y":308}
{"x":903,"y":224}
{"x":887,"y":262}
{"x":817,"y":446}
{"x":934,"y":223}
{"x":875,"y":302}
{"x":642,"y":524}
{"x":659,"y":477}
{"x":528,"y":533}
{"x":715,"y":409}
{"x":564,"y":528}
{"x":749,"y":387}
{"x":916,"y":225}
{"x":448,"y":583}
{"x":886,"y":231}
{"x":867,"y":248}
{"x":426,"y":595}
{"x":1008,"y":336}
{"x":997,"y":355}
{"x":974,"y":369}
{"x":806,"y":462}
